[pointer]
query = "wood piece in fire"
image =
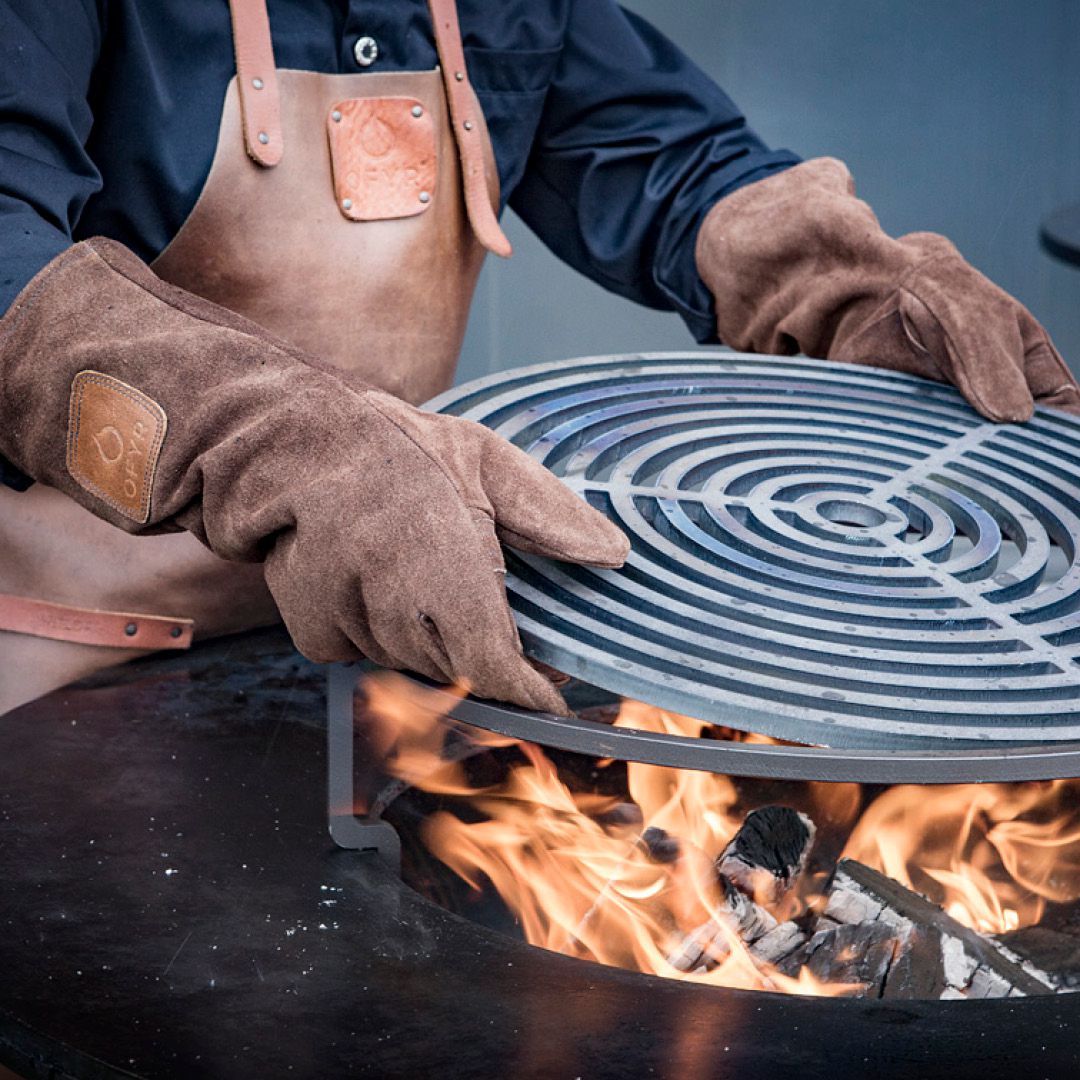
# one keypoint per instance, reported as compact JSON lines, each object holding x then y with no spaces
{"x":971,"y":965}
{"x":781,"y":941}
{"x":768,"y":853}
{"x":852,"y":953}
{"x":660,"y":845}
{"x":918,"y":968}
{"x":1053,"y":946}
{"x":761,"y":863}
{"x":706,"y":946}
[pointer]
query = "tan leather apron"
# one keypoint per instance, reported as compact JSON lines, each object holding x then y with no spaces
{"x":346,"y":213}
{"x":334,"y":215}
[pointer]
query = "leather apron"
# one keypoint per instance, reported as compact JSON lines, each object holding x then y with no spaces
{"x":335,"y":213}
{"x":348,"y":214}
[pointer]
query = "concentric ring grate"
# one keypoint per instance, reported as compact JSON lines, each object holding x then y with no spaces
{"x":823,"y":553}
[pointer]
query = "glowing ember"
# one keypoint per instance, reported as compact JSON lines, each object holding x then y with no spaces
{"x":585,"y":877}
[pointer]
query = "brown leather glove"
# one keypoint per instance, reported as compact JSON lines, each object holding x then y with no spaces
{"x":798,"y":264}
{"x":379,"y":524}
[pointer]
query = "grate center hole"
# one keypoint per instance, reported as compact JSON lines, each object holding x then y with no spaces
{"x":855,"y":514}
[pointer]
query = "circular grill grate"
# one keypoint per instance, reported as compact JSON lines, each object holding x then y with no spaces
{"x":823,"y":553}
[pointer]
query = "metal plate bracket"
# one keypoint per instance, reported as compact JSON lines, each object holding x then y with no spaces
{"x":348,"y":829}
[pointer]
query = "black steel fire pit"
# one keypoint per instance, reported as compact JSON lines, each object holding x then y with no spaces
{"x":211,"y":766}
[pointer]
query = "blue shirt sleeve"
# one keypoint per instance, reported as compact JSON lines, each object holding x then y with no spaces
{"x":635,"y":145}
{"x":48,"y":49}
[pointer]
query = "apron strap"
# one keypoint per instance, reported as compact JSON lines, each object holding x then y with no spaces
{"x":256,"y":81}
{"x":470,"y":131}
{"x":87,"y":626}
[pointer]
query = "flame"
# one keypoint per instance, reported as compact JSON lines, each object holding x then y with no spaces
{"x":624,"y":879}
{"x":992,"y":855}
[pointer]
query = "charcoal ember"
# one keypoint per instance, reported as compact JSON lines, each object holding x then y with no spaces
{"x":768,"y":853}
{"x":660,"y":845}
{"x":856,"y":953}
{"x":779,"y":943}
{"x":707,"y":945}
{"x":1049,"y":950}
{"x":971,"y":965}
{"x":622,"y":815}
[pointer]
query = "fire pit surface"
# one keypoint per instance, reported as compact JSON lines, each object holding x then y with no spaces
{"x":164,"y":871}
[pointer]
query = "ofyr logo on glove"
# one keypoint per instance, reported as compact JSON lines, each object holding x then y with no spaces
{"x":115,"y":434}
{"x":110,"y":444}
{"x":113,"y":449}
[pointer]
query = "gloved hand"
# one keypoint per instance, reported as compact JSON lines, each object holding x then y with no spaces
{"x":796,"y":263}
{"x":379,"y":524}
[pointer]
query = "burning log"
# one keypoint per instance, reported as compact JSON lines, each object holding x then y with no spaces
{"x":918,"y":967}
{"x":931,"y":954}
{"x":768,"y":853}
{"x":1053,"y":946}
{"x":780,"y":942}
{"x":859,"y":953}
{"x":760,"y":865}
{"x":706,"y":946}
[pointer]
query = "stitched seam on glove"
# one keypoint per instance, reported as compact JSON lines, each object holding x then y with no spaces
{"x":555,"y":553}
{"x":956,"y":362}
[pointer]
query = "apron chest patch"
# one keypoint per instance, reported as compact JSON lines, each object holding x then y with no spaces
{"x":383,"y":157}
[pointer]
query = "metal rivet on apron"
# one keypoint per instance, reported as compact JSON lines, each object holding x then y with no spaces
{"x":175,"y":632}
{"x":346,"y":204}
{"x":263,"y":138}
{"x":131,"y":629}
{"x":459,"y":75}
{"x":417,"y":111}
{"x":425,"y":197}
{"x":336,"y":116}
{"x":468,"y":125}
{"x":257,"y":83}
{"x":366,"y":51}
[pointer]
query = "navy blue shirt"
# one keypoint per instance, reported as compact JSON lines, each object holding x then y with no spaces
{"x":610,"y":143}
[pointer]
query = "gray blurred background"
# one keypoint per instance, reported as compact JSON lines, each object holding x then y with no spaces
{"x":960,"y":116}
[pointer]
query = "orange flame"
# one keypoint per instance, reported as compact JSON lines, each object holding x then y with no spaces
{"x":582,"y":878}
{"x":991,"y":854}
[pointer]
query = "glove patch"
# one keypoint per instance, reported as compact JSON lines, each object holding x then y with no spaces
{"x":115,"y":434}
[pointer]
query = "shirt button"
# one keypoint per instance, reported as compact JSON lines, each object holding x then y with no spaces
{"x":366,"y":51}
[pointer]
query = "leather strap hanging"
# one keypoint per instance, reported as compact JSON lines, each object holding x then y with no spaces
{"x":468,"y":123}
{"x":256,"y":81}
{"x":123,"y":630}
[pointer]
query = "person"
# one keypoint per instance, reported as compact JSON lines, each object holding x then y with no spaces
{"x":238,"y":247}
